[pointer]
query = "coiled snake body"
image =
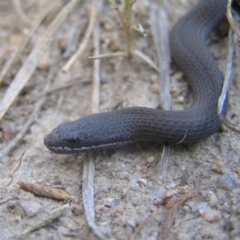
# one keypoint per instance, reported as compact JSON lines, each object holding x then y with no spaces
{"x":138,"y":124}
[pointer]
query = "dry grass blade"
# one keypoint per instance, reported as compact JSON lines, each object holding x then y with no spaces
{"x":48,"y":8}
{"x":30,"y":64}
{"x":230,"y":18}
{"x":55,"y":89}
{"x":147,"y":59}
{"x":88,"y":194}
{"x":227,"y":78}
{"x":83,"y":44}
{"x":88,"y":164}
{"x":109,"y":55}
{"x":126,"y":22}
{"x":20,"y":162}
{"x":159,"y":25}
{"x":21,"y":14}
{"x":52,"y":216}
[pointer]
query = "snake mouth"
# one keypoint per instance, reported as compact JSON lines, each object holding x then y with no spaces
{"x":67,"y":150}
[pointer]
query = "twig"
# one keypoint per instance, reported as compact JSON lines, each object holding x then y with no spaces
{"x":174,"y":205}
{"x":20,"y":162}
{"x":143,"y":224}
{"x":9,"y":199}
{"x":30,"y":64}
{"x":85,"y":40}
{"x":170,"y":216}
{"x":52,"y":216}
{"x":159,"y":24}
{"x":55,"y":89}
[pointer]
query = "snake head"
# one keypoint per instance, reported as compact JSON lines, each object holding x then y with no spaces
{"x":85,"y":134}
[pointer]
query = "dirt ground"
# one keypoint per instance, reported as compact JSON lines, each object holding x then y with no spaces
{"x":130,"y":200}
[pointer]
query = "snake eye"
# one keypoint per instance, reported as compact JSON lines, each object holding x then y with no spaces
{"x":72,"y":143}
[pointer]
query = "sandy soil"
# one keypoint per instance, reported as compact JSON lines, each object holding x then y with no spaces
{"x":128,"y":191}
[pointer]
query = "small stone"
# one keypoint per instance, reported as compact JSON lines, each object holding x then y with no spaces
{"x":226,"y":182}
{"x":30,"y":207}
{"x":63,"y":230}
{"x":155,"y":88}
{"x":181,"y":99}
{"x":217,"y":166}
{"x":151,"y":159}
{"x":77,"y":211}
{"x":210,"y":215}
{"x":101,"y":208}
{"x":186,"y":208}
{"x":171,"y":186}
{"x":108,"y":202}
{"x":154,"y":78}
{"x":238,"y":170}
{"x":157,"y":194}
{"x":178,"y":75}
{"x":119,"y":210}
{"x":4,"y":182}
{"x":158,"y":202}
{"x":196,"y":206}
{"x":142,"y":182}
{"x":4,"y":159}
{"x":212,"y":198}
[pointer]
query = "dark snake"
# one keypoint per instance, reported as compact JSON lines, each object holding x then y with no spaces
{"x":139,"y":124}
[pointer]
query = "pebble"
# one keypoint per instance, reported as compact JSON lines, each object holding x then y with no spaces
{"x":157,"y":193}
{"x":4,"y":182}
{"x":217,"y":166}
{"x":77,"y":211}
{"x":226,"y":182}
{"x":151,"y":159}
{"x":212,"y":198}
{"x":142,"y":182}
{"x":238,"y":170}
{"x":196,"y":206}
{"x":101,"y":208}
{"x":108,"y":202}
{"x":4,"y":159}
{"x":210,"y":215}
{"x":30,"y":208}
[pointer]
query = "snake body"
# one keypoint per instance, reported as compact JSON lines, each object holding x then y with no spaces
{"x":139,"y":124}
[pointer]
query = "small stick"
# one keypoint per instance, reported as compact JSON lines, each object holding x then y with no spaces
{"x":52,"y":216}
{"x":20,"y":162}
